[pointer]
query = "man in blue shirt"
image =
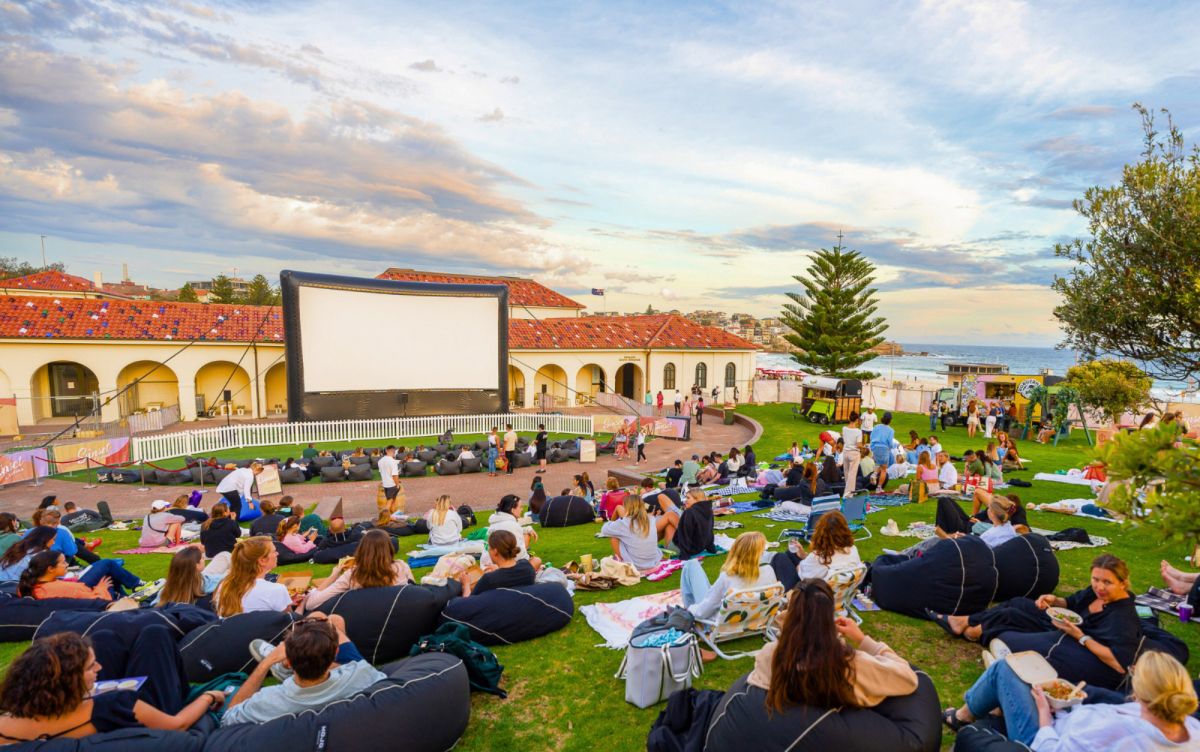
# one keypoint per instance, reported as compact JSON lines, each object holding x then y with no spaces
{"x":882,"y":437}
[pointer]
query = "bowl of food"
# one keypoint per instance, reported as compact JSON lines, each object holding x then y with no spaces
{"x":1064,"y":615}
{"x":1062,"y":694}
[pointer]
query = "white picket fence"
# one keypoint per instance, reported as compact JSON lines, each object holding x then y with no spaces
{"x":156,"y":420}
{"x":207,"y":441}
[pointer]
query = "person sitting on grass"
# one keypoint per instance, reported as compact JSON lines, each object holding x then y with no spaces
{"x":160,"y":527}
{"x":180,"y":508}
{"x":741,"y":571}
{"x":952,"y":522}
{"x":320,"y":664}
{"x":47,"y":694}
{"x":1176,"y":580}
{"x":1012,"y":457}
{"x":505,"y":568}
{"x":537,"y":495}
{"x":1156,"y":717}
{"x":633,"y":535}
{"x":991,"y":470}
{"x":971,"y":463}
{"x":694,"y":534}
{"x":9,"y":531}
{"x":832,"y":549}
{"x":16,"y":559}
{"x":947,"y":474}
{"x":710,"y":472}
{"x":271,"y":517}
{"x":219,"y":533}
{"x":898,"y":470}
{"x":244,"y":590}
{"x":288,"y":533}
{"x":815,"y":662}
{"x":507,"y":517}
{"x":64,"y":539}
{"x":188,"y":579}
{"x":373,"y":565}
{"x":45,"y":577}
{"x":613,"y":497}
{"x":445,"y":524}
{"x":72,"y":514}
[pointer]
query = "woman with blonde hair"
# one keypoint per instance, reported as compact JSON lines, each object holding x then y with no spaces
{"x":742,"y":570}
{"x":633,"y":535}
{"x":1156,"y":717}
{"x":373,"y":565}
{"x":244,"y":589}
{"x":445,"y":526}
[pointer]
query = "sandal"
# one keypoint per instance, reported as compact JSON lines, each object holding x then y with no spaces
{"x":951,"y":720}
{"x":942,"y":621}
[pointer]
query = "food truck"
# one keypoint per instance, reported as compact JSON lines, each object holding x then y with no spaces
{"x":828,"y":400}
{"x":988,"y":389}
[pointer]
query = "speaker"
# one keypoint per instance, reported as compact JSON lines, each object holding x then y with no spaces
{"x":403,"y":396}
{"x":228,"y":396}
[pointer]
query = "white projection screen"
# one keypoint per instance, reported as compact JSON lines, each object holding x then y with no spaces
{"x":371,"y":348}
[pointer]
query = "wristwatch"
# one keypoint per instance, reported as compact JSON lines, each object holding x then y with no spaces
{"x":1083,"y":639}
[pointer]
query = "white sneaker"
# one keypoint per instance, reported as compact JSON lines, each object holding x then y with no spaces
{"x":260,"y":649}
{"x":998,"y":649}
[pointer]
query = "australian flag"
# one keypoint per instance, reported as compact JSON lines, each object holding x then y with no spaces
{"x":598,"y":291}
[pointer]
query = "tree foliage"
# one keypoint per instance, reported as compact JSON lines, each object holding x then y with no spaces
{"x":832,"y":321}
{"x":1163,"y":474}
{"x":187,"y":294}
{"x":10,"y":267}
{"x":1110,"y":387}
{"x":1134,"y":289}
{"x":260,"y":292}
{"x":222,"y":290}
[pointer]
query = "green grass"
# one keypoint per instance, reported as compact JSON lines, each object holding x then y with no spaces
{"x":562,"y":692}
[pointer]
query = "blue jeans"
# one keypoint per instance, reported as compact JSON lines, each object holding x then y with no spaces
{"x":1000,"y":687}
{"x":933,"y":422}
{"x":122,"y":578}
{"x":693,"y":583}
{"x":493,"y":453}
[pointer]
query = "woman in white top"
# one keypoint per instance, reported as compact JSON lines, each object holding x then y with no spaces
{"x":795,"y":452}
{"x":851,"y":456}
{"x":1157,"y":718}
{"x":634,"y":536}
{"x":734,"y":463}
{"x":445,"y":526}
{"x":741,"y":571}
{"x":506,"y":517}
{"x":832,"y":548}
{"x":244,"y":590}
{"x":373,"y":565}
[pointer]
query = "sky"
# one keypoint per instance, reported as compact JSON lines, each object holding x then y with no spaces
{"x":682,"y":155}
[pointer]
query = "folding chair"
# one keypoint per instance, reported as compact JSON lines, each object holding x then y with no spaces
{"x":844,"y":583}
{"x":744,"y":613}
{"x":854,"y":509}
{"x":820,"y":506}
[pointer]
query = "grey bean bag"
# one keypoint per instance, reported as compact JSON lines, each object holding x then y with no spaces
{"x":332,"y":474}
{"x":470,"y":465}
{"x":219,"y":474}
{"x":364,"y":460}
{"x":508,"y":615}
{"x":291,"y":475}
{"x":522,"y":459}
{"x":957,"y":576}
{"x":203,"y":475}
{"x":428,"y":456}
{"x":413,"y":469}
{"x":223,"y":646}
{"x":448,"y":467}
{"x":361,"y":471}
{"x":565,"y":511}
{"x":384,"y":623}
{"x":328,"y":461}
{"x":556,"y":455}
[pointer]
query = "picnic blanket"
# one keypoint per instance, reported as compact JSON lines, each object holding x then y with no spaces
{"x":153,"y":550}
{"x":778,"y":515}
{"x":474,"y":547}
{"x":887,"y":500}
{"x":1077,"y":505}
{"x":615,"y":621}
{"x":739,"y":507}
{"x":1074,"y":480}
{"x":1164,"y":601}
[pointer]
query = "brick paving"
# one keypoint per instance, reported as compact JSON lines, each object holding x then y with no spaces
{"x":477,"y":489}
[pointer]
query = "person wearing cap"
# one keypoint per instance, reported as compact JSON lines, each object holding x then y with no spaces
{"x":160,"y":526}
{"x":239,"y":485}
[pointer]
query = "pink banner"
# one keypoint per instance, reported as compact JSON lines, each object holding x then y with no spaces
{"x":664,"y":427}
{"x":22,"y":466}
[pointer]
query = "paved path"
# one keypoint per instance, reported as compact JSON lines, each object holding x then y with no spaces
{"x":477,"y":489}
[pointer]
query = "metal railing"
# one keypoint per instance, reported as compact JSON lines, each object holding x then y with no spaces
{"x":211,"y":440}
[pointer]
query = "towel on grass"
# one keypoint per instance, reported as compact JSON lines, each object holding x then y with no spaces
{"x":615,"y":621}
{"x":1164,"y":601}
{"x":888,"y":500}
{"x":1074,"y":480}
{"x":1075,"y":504}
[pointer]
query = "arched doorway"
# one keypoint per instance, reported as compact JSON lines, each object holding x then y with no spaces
{"x":158,"y":387}
{"x":210,"y":380}
{"x":550,"y":386}
{"x":8,"y":407}
{"x":628,"y":382}
{"x":589,"y":382}
{"x":275,"y":390}
{"x":516,"y":386}
{"x":63,"y":389}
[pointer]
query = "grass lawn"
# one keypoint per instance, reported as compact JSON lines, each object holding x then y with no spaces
{"x":562,"y":692}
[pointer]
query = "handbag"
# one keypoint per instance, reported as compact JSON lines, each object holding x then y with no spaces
{"x":652,"y":671}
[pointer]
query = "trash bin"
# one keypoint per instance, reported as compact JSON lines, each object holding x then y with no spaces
{"x":730,"y":415}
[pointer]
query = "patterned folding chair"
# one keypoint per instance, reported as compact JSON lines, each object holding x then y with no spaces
{"x":844,"y":583}
{"x":744,"y":613}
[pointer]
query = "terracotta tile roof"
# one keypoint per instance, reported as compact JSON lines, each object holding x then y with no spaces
{"x":520,"y":291}
{"x":48,"y":280}
{"x":79,"y":318}
{"x":660,"y":331}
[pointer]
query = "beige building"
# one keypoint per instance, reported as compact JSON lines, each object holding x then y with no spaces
{"x":62,"y":351}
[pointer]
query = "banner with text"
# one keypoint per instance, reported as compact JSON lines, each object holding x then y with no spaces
{"x":662,"y":427}
{"x":89,"y":454}
{"x":22,"y":466}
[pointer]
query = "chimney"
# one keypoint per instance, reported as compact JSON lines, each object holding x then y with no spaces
{"x":99,"y":281}
{"x":125,"y":273}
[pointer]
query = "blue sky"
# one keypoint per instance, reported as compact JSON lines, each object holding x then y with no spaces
{"x":681,"y":155}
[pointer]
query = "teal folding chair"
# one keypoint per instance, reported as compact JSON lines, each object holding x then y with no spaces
{"x":854,"y":509}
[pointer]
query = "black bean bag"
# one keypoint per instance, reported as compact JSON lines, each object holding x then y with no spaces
{"x":203,"y":475}
{"x":1027,"y":567}
{"x":413,"y":469}
{"x":441,"y":448}
{"x":800,"y":494}
{"x":480,"y":447}
{"x":428,"y":456}
{"x":1163,"y":641}
{"x":1072,"y":661}
{"x":522,"y":459}
{"x":898,"y":724}
{"x":556,"y":455}
{"x":384,"y":623}
{"x":363,"y":460}
{"x":333,"y":474}
{"x":21,"y":617}
{"x":326,"y":461}
{"x":292,"y":475}
{"x":288,"y":556}
{"x":223,"y":646}
{"x":448,"y":467}
{"x":219,"y":474}
{"x":470,"y":465}
{"x":361,"y":471}
{"x":507,"y":615}
{"x":956,"y":576}
{"x":180,"y":620}
{"x":332,"y":554}
{"x":565,"y":511}
{"x":985,"y":735}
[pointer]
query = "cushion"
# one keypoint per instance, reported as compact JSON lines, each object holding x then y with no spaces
{"x":361,"y":471}
{"x":507,"y":615}
{"x":223,"y":646}
{"x":1027,"y":567}
{"x":898,"y":724}
{"x":180,"y":619}
{"x":1072,"y":661}
{"x":470,"y":465}
{"x":564,"y":511}
{"x":448,"y":467}
{"x":556,"y":455}
{"x":291,"y":475}
{"x":21,"y":617}
{"x":329,"y":461}
{"x":288,"y":556}
{"x":332,"y":474}
{"x":131,"y":739}
{"x":956,"y":576}
{"x":374,"y":459}
{"x":384,"y":623}
{"x":413,"y":469}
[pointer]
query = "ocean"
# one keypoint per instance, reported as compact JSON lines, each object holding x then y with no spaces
{"x":1020,"y":360}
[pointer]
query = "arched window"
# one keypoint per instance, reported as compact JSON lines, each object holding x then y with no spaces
{"x":669,"y":376}
{"x":730,"y":375}
{"x":701,"y":375}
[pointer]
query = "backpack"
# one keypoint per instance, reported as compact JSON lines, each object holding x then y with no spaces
{"x":467,"y":514}
{"x":483,"y":670}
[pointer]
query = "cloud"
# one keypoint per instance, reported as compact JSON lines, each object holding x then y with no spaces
{"x":494,"y":116}
{"x":510,"y":80}
{"x":1084,"y":112}
{"x":425,"y":66}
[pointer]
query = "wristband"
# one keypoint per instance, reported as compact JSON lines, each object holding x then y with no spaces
{"x":1083,"y":639}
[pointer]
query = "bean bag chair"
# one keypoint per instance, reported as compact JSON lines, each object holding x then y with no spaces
{"x":363,"y":460}
{"x":180,"y":620}
{"x":572,"y":450}
{"x":1027,"y":567}
{"x":441,"y":448}
{"x":219,"y":474}
{"x":328,"y":461}
{"x":985,"y":735}
{"x":565,"y":511}
{"x":291,"y":475}
{"x":448,"y":467}
{"x":333,"y":474}
{"x":428,"y":456}
{"x":413,"y":469}
{"x":480,"y":446}
{"x":384,"y":623}
{"x":250,"y":510}
{"x":800,"y":494}
{"x":223,"y":646}
{"x":957,"y":576}
{"x":288,"y":556}
{"x":507,"y":615}
{"x":898,"y":724}
{"x":361,"y":471}
{"x":1163,"y":641}
{"x":333,"y":554}
{"x":522,"y":459}
{"x":1072,"y":661}
{"x":21,"y":617}
{"x":556,"y":455}
{"x":168,"y":477}
{"x":203,"y":475}
{"x":470,"y":465}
